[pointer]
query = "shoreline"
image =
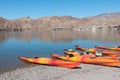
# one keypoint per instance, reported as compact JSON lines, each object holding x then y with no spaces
{"x":42,"y":72}
{"x":28,"y":65}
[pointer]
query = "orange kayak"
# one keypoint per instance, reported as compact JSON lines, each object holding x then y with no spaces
{"x":90,"y":55}
{"x":87,"y":59}
{"x":93,"y":50}
{"x":72,"y":52}
{"x":67,"y":58}
{"x":101,"y":61}
{"x":109,"y":48}
{"x":50,"y":61}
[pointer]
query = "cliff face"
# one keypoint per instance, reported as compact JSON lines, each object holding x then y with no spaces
{"x":99,"y":21}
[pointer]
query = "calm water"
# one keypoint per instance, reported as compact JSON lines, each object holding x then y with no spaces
{"x":42,"y":43}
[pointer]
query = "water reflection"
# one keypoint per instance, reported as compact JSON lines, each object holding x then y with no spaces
{"x":65,"y":36}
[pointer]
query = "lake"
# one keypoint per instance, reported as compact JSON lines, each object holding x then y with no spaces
{"x":44,"y":42}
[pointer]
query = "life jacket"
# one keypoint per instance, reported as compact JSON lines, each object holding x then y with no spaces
{"x":98,"y":53}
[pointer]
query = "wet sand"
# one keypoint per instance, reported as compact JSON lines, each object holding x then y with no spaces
{"x":83,"y":72}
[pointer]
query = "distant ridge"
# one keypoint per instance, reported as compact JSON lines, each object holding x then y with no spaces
{"x":106,"y":20}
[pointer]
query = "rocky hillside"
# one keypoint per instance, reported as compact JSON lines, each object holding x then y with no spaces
{"x":104,"y":20}
{"x":108,"y":20}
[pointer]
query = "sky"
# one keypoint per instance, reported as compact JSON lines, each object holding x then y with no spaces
{"x":12,"y":9}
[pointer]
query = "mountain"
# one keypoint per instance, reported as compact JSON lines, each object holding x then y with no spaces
{"x":107,"y":20}
{"x":104,"y":20}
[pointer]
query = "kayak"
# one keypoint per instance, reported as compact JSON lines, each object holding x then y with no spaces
{"x":67,"y":58}
{"x":109,"y":48}
{"x":93,"y":50}
{"x":101,"y":61}
{"x":89,"y":60}
{"x":74,"y":53}
{"x":50,"y":61}
{"x":90,"y":55}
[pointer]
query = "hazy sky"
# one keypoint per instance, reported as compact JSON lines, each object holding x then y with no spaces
{"x":11,"y":9}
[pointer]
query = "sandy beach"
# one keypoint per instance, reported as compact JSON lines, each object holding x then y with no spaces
{"x":83,"y":72}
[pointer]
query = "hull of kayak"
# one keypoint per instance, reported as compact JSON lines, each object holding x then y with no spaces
{"x":87,"y":59}
{"x":108,"y":48}
{"x":101,"y":61}
{"x":104,"y":52}
{"x":50,"y":61}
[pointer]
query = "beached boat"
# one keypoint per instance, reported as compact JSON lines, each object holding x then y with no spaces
{"x":93,"y":50}
{"x":109,"y":48}
{"x":50,"y":61}
{"x":89,"y":59}
{"x":74,"y":53}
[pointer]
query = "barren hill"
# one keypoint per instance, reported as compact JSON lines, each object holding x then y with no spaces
{"x":107,"y":20}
